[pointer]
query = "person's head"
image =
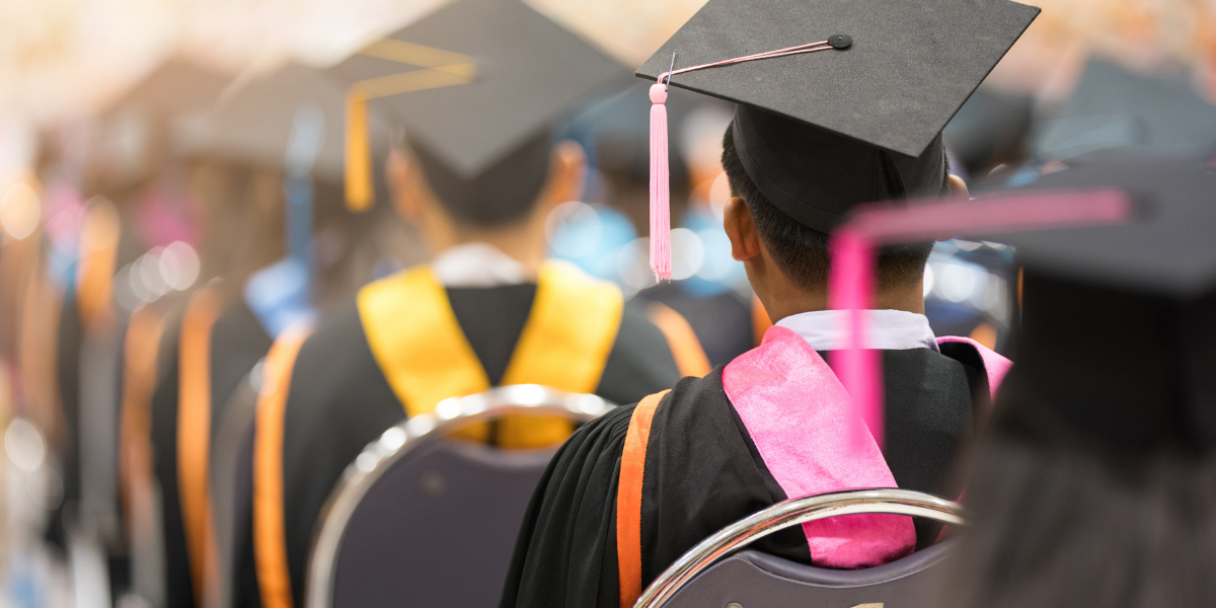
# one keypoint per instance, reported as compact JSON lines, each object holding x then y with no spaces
{"x":505,"y":204}
{"x":818,"y":176}
{"x":480,"y":163}
{"x":240,"y":213}
{"x":1096,"y":482}
{"x":1059,"y":519}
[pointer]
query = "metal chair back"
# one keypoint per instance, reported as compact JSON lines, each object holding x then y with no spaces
{"x":713,"y":574}
{"x":426,"y":521}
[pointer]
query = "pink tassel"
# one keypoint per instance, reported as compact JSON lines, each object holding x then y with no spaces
{"x":851,"y":287}
{"x":660,"y":193}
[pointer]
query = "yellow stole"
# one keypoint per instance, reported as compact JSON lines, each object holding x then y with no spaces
{"x":425,"y":356}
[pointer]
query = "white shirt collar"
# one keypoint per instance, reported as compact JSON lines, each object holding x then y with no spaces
{"x":887,"y":329}
{"x":478,"y":265}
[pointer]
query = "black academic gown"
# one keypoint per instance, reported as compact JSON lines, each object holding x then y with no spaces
{"x":69,"y":339}
{"x":69,"y":348}
{"x":703,"y":473}
{"x":238,"y":342}
{"x":339,"y":399}
{"x":722,"y":322}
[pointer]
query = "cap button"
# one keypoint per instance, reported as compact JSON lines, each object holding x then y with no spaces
{"x":658,"y":93}
{"x":840,"y":41}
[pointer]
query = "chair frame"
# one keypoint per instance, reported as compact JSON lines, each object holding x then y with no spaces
{"x":400,"y":440}
{"x":791,"y":513}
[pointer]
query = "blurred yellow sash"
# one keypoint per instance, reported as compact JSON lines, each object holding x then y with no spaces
{"x":425,"y":356}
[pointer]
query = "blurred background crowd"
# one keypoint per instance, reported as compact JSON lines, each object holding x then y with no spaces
{"x":111,"y":199}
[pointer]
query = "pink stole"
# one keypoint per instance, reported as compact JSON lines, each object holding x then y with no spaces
{"x":995,"y":365}
{"x":807,"y":448}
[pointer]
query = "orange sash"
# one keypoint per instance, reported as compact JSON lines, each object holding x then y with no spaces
{"x":194,"y":435}
{"x":685,"y":347}
{"x":99,"y":238}
{"x":629,"y":499}
{"x":139,"y":382}
{"x":270,"y":535}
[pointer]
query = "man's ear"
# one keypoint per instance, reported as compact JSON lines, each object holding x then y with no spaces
{"x":957,"y":189}
{"x":741,"y":230}
{"x":957,"y":186}
{"x":567,"y":168}
{"x":401,"y":171}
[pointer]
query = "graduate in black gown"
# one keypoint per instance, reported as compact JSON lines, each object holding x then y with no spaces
{"x":852,"y":123}
{"x":129,"y":168}
{"x":264,"y":160}
{"x":477,"y":173}
{"x":1096,"y":483}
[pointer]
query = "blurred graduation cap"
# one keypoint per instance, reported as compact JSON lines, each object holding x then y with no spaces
{"x":1113,"y":107}
{"x":1119,"y":322}
{"x":840,"y":101}
{"x":174,"y":87}
{"x":472,"y":82}
{"x":990,"y":129}
{"x":290,"y":118}
{"x":133,"y":129}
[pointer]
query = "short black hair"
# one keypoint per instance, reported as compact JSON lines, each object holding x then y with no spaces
{"x":500,"y":195}
{"x":802,"y":252}
{"x":1061,"y":519}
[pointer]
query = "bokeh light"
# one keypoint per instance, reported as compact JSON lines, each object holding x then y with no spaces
{"x":20,"y":210}
{"x":160,"y":271}
{"x":687,"y":254}
{"x":179,"y":265}
{"x":574,"y":230}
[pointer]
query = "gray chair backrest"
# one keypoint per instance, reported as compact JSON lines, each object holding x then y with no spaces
{"x":429,"y":521}
{"x":712,"y":575}
{"x":231,"y":479}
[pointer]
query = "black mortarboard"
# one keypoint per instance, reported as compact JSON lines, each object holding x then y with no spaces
{"x":292,"y":117}
{"x":474,"y":81}
{"x":1118,"y":337}
{"x":862,"y":118}
{"x":1112,"y":107}
{"x":990,"y":129}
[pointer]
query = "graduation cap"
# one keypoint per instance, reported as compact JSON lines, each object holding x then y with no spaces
{"x":174,"y":87}
{"x":838,"y":99}
{"x":1112,"y":107}
{"x":989,"y":129}
{"x":472,"y":83}
{"x":290,"y":118}
{"x":133,"y":128}
{"x":1118,"y":312}
{"x":1118,"y":336}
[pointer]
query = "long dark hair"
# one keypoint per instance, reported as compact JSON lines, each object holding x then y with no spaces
{"x":1061,"y":520}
